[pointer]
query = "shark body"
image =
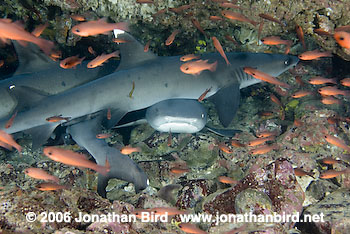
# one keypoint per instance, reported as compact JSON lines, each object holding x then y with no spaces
{"x":156,"y":79}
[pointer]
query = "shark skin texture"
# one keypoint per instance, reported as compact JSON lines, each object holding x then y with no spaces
{"x":154,"y":79}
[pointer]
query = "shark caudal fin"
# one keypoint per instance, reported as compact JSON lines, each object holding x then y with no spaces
{"x":121,"y":166}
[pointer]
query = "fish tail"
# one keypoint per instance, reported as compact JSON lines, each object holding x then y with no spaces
{"x":116,"y":53}
{"x":213,"y":66}
{"x":46,"y":46}
{"x":123,"y":26}
{"x":103,"y":170}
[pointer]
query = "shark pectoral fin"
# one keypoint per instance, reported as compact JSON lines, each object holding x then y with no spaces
{"x":223,"y":132}
{"x":116,"y":116}
{"x":226,"y":102}
{"x":40,"y":134}
{"x":121,"y":166}
{"x":26,"y":96}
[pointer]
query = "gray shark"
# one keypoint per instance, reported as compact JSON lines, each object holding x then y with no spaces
{"x":42,"y":77}
{"x":155,"y":79}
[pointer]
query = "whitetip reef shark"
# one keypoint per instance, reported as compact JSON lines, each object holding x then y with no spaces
{"x":152,"y":79}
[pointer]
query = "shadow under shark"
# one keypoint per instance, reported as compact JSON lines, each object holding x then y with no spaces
{"x":156,"y":79}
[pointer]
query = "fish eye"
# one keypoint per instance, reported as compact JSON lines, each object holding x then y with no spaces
{"x":341,"y":38}
{"x":77,"y":30}
{"x":287,"y":62}
{"x":186,"y":68}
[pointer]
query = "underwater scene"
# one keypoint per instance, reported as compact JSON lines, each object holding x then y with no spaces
{"x":152,"y":116}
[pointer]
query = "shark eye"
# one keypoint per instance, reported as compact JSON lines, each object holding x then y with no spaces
{"x":287,"y":62}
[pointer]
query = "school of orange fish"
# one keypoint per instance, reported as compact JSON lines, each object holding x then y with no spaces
{"x":10,"y":30}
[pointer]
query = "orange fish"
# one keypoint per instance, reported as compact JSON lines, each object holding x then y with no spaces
{"x":198,"y":26}
{"x":300,"y":34}
{"x":167,"y":211}
{"x":343,"y":39}
{"x":54,"y":119}
{"x":146,"y":48}
{"x":191,"y":228}
{"x":215,"y":18}
{"x":129,"y":150}
{"x":11,"y":30}
{"x":228,"y":37}
{"x":261,"y":26}
{"x":40,"y":174}
{"x":71,"y":62}
{"x":144,"y":1}
{"x":260,"y":140}
{"x":119,"y":40}
{"x":158,"y":13}
{"x":171,"y":38}
{"x":263,"y":149}
{"x":271,"y":18}
{"x":266,"y":134}
{"x":204,"y":94}
{"x":264,"y":76}
{"x":301,"y":94}
{"x":179,"y":170}
{"x":322,"y":32}
{"x":333,"y":120}
{"x":103,"y":135}
{"x":91,"y":50}
{"x":40,"y":29}
{"x":301,"y":172}
{"x":10,"y":121}
{"x":314,"y":54}
{"x":56,"y":55}
{"x":330,"y":100}
{"x":236,"y":143}
{"x":299,"y":80}
{"x":229,"y":5}
{"x":345,"y":82}
{"x":275,"y":99}
{"x":96,"y":27}
{"x":72,"y":158}
{"x":79,"y":18}
{"x":318,"y":80}
{"x":180,"y":9}
{"x":50,"y":186}
{"x":298,"y":123}
{"x":2,"y":62}
{"x":196,"y":67}
{"x":109,"y":114}
{"x":227,"y":180}
{"x":336,"y":141}
{"x":332,"y":173}
{"x":189,"y":57}
{"x":99,"y":60}
{"x":8,"y":139}
{"x":237,"y":16}
{"x":330,"y":161}
{"x":275,"y":40}
{"x":345,"y":28}
{"x":332,"y":90}
{"x":223,"y":147}
{"x":219,"y":48}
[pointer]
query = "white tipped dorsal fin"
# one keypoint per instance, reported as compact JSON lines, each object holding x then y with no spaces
{"x":132,"y":52}
{"x":31,"y":59}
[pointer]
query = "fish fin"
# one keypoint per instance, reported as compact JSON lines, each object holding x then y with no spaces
{"x":26,"y":96}
{"x":223,"y":132}
{"x":40,"y":134}
{"x":31,"y":59}
{"x":132,"y":53}
{"x":116,"y":116}
{"x":121,"y":166}
{"x":226,"y":102}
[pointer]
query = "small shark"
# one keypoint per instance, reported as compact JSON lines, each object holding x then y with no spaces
{"x":141,"y":80}
{"x":175,"y":116}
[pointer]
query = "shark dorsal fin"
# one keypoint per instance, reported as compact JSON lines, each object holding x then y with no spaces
{"x":31,"y":59}
{"x":132,"y":52}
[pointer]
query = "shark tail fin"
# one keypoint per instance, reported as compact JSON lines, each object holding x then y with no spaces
{"x":213,"y":66}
